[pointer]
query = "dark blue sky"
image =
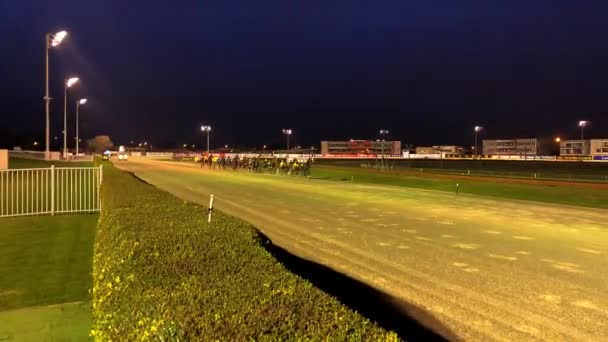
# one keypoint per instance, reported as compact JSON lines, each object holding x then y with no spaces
{"x":426,"y":70}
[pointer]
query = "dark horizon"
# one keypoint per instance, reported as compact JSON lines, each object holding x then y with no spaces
{"x":427,"y":71}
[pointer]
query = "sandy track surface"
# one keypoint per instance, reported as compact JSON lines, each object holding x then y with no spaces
{"x":488,"y":269}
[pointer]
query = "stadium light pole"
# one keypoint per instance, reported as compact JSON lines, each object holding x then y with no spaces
{"x":477,"y":129}
{"x":558,"y":141}
{"x":582,"y":124}
{"x":50,"y":40}
{"x":287,"y":132}
{"x":206,"y":129}
{"x":68,"y":83}
{"x":383,"y":133}
{"x":78,"y":103}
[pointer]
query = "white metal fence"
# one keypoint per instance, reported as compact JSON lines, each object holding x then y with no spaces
{"x":50,"y":191}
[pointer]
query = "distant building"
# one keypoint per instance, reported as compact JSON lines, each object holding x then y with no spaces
{"x":453,"y":149}
{"x":575,"y":148}
{"x":426,"y":150}
{"x":522,"y":147}
{"x":361,"y":147}
{"x":446,"y":149}
{"x":599,"y":149}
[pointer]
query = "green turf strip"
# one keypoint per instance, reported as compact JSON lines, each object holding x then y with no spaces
{"x":558,"y":194}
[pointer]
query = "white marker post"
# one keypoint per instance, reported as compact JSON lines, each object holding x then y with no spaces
{"x":210,"y":208}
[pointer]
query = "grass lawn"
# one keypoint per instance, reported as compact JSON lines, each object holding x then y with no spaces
{"x":558,"y":194}
{"x":62,"y":322}
{"x":44,"y":261}
{"x":24,"y":163}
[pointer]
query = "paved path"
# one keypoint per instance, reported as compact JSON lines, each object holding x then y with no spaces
{"x":488,"y":269}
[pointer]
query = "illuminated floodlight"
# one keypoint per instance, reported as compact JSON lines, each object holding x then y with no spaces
{"x":287,"y":131}
{"x":583,"y":123}
{"x":71,"y":81}
{"x":58,"y":37}
{"x":82,"y":101}
{"x":478,"y":129}
{"x":206,"y":128}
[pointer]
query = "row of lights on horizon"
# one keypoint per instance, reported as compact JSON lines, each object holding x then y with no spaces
{"x":581,"y":124}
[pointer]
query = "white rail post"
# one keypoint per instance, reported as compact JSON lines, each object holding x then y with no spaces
{"x":53,"y":190}
{"x":99,"y":187}
{"x":210,"y":208}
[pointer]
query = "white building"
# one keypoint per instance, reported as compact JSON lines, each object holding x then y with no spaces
{"x":574,"y":148}
{"x":599,"y":149}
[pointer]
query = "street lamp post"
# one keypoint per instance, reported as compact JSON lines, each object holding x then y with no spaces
{"x":287,"y":132}
{"x":582,"y":124}
{"x":477,"y":130}
{"x":383,"y":133}
{"x":68,"y":83}
{"x":50,"y":40}
{"x":558,"y":141}
{"x":80,"y":102}
{"x":206,"y":129}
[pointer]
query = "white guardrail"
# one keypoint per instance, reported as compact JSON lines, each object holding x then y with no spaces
{"x":50,"y":191}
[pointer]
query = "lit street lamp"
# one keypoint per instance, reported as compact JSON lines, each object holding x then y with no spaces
{"x":582,"y":124}
{"x":68,"y":83}
{"x":206,"y":129}
{"x":477,"y":130}
{"x":287,"y":132}
{"x":80,"y":102}
{"x":51,"y":40}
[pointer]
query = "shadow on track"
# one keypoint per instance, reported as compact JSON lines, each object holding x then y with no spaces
{"x":408,"y":321}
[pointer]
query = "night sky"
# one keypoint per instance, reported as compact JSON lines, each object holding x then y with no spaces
{"x":426,"y":70}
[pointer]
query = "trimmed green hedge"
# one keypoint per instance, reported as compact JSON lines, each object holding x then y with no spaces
{"x":162,"y":273}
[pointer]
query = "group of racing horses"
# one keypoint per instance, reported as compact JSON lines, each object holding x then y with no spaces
{"x":258,"y":164}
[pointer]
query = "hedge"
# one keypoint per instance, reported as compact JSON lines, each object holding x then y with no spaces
{"x":161,"y":272}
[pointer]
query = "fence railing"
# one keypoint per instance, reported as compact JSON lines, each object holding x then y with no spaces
{"x":50,"y":191}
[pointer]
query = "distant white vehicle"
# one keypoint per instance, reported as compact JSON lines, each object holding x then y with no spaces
{"x":122,"y":154}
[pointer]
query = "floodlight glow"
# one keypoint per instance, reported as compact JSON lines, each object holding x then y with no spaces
{"x":206,"y":128}
{"x":384,"y":131}
{"x":82,"y":101}
{"x":583,"y":123}
{"x":58,"y":38}
{"x":71,"y":81}
{"x":478,"y":128}
{"x":286,"y":131}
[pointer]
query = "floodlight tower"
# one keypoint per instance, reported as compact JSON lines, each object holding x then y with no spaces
{"x":208,"y":130}
{"x":477,"y":130}
{"x":287,"y":132}
{"x":51,"y":40}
